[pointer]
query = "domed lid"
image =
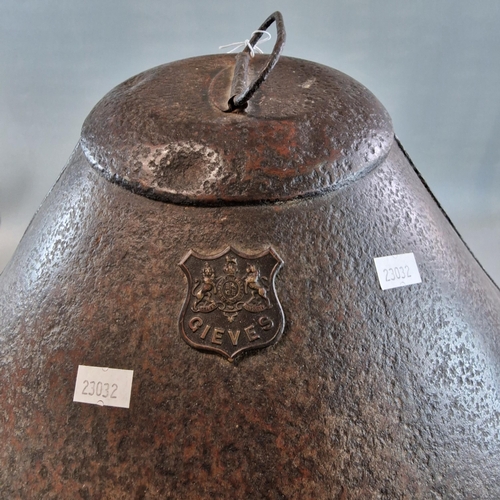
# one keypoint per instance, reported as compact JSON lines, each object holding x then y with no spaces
{"x":167,"y":133}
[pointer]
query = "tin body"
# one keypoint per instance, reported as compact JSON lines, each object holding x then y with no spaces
{"x":364,"y":393}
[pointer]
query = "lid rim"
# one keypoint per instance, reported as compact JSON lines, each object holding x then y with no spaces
{"x":160,"y":139}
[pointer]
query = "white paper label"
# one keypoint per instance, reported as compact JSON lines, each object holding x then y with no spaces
{"x":103,"y":386}
{"x":397,"y":270}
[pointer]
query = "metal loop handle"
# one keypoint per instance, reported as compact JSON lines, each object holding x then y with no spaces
{"x":241,"y":93}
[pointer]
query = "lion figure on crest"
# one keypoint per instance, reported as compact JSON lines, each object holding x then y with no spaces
{"x":254,"y":285}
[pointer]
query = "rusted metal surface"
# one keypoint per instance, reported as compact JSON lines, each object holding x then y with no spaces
{"x":165,"y":133}
{"x":367,"y":393}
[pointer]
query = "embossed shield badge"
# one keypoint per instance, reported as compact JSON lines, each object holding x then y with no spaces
{"x":231,"y":304}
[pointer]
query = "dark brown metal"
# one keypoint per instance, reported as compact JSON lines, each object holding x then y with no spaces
{"x":158,"y":135}
{"x":367,"y":394}
{"x":241,"y":93}
{"x":231,"y":304}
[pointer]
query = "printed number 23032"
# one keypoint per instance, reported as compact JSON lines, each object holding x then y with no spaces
{"x":103,"y":386}
{"x":100,"y":389}
{"x":397,"y":273}
{"x":397,"y":270}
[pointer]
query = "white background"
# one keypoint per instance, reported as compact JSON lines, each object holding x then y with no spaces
{"x":434,"y":64}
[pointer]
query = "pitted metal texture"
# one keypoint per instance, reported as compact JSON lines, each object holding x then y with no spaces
{"x":368,"y":394}
{"x":165,"y":134}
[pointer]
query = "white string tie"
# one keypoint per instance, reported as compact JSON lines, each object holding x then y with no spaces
{"x":246,"y":43}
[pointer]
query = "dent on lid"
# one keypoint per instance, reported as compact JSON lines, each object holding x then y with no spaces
{"x":164,"y":133}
